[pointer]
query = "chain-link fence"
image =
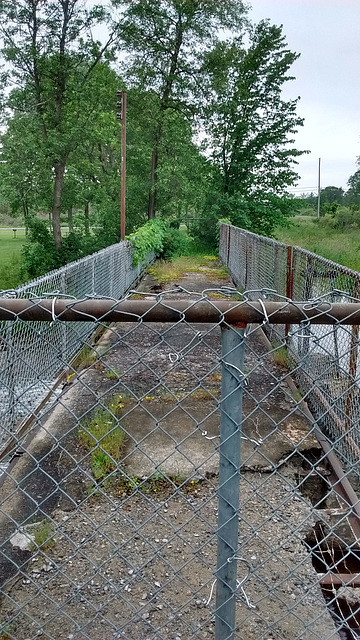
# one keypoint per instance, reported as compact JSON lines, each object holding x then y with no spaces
{"x":32,"y":355}
{"x":325,"y":361}
{"x":177,"y":485}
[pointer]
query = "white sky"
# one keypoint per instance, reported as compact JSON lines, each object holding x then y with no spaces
{"x":327,"y":35}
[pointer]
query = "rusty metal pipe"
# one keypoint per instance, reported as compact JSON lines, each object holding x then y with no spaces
{"x":203,"y":311}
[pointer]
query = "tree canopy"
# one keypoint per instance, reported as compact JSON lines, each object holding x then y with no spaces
{"x":209,"y":133}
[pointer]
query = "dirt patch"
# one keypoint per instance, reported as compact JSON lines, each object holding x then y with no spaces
{"x":140,"y":567}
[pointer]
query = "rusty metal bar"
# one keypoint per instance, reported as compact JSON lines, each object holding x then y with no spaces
{"x":340,"y":580}
{"x":354,"y":353}
{"x":207,"y":311}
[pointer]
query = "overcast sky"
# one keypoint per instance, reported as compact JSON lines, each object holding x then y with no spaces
{"x":327,"y":35}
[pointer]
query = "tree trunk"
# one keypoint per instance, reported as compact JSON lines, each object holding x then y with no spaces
{"x":153,"y":182}
{"x":70,"y":219}
{"x":26,"y":217}
{"x":58,"y":187}
{"x":87,"y":218}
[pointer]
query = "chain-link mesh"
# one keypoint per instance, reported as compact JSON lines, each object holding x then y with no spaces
{"x":190,"y":475}
{"x":32,"y":355}
{"x":325,"y":359}
{"x":177,"y":485}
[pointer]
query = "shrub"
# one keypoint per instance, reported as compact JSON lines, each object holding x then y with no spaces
{"x":150,"y":237}
{"x":175,"y":243}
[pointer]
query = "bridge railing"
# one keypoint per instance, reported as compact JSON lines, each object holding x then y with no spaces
{"x":325,"y":360}
{"x":33,"y":355}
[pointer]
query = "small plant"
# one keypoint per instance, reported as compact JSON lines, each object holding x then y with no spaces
{"x":5,"y":631}
{"x":103,"y":437}
{"x":113,"y":374}
{"x":129,"y":484}
{"x":43,"y":535}
{"x":280,"y":356}
{"x":85,"y":358}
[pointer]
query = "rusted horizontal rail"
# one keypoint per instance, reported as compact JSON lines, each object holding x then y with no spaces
{"x":192,"y":310}
{"x":340,"y":579}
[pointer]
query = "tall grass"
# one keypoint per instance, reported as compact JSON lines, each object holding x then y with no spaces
{"x":341,"y":246}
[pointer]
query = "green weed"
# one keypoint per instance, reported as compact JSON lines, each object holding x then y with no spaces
{"x":103,"y":438}
{"x":113,"y":374}
{"x":85,"y":358}
{"x":156,"y":483}
{"x":43,"y":535}
{"x":280,"y":356}
{"x":6,"y":631}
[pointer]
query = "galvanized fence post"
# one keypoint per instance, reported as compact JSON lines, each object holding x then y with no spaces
{"x":233,"y":346}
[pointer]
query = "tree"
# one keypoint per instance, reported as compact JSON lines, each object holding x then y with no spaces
{"x":332,"y":194}
{"x":25,"y":178}
{"x":250,"y":127}
{"x":52,"y":59}
{"x":353,"y":193}
{"x":166,"y":41}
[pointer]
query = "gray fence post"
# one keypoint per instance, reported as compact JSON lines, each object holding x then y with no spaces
{"x":233,"y":345}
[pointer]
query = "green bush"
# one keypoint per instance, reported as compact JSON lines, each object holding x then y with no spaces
{"x":175,"y":243}
{"x":41,"y":256}
{"x":148,"y":238}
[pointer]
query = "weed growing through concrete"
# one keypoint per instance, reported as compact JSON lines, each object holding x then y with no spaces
{"x":5,"y":631}
{"x":156,"y":483}
{"x":103,"y":437}
{"x":85,"y":358}
{"x":43,"y":535}
{"x":113,"y":374}
{"x":169,"y":271}
{"x":280,"y":356}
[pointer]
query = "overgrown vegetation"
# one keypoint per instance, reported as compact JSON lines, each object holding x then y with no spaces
{"x":147,"y":239}
{"x":164,"y":271}
{"x":103,"y":438}
{"x":327,"y":237}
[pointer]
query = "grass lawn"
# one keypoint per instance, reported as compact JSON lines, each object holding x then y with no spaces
{"x":10,"y":258}
{"x":342,"y":247}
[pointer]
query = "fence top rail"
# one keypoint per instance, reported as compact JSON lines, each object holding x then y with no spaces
{"x":201,"y":310}
{"x":334,"y":266}
{"x":245,"y":232}
{"x":36,"y":282}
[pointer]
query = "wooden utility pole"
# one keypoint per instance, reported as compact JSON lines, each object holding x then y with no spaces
{"x":121,"y":115}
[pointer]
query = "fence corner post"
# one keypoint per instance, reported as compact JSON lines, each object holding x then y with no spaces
{"x":233,"y":346}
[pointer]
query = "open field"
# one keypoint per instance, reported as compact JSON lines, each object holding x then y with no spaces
{"x":10,"y":257}
{"x":340,"y":246}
